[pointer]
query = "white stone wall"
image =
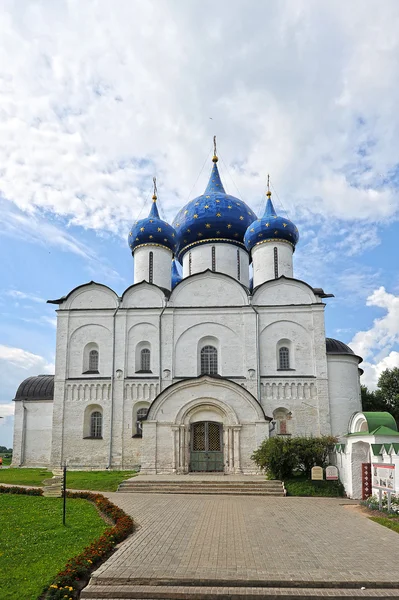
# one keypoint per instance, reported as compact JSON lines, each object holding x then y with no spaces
{"x":343,"y":390}
{"x":207,"y":308}
{"x":162,"y":265}
{"x":32,"y":433}
{"x":263,"y":262}
{"x":230,"y":260}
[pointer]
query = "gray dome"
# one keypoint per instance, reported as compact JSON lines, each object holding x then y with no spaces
{"x":40,"y":387}
{"x":336,"y":347}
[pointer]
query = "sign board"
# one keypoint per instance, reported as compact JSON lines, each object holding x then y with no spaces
{"x":52,"y":488}
{"x":383,"y":477}
{"x":331,"y":472}
{"x":317,"y":473}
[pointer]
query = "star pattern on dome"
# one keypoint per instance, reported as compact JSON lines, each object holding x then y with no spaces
{"x":152,"y":230}
{"x":270,"y":227}
{"x":207,"y":215}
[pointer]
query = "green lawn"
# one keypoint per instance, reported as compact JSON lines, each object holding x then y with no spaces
{"x":392,"y":522}
{"x":34,"y":545}
{"x":302,"y":486}
{"x":6,"y":458}
{"x":101,"y":481}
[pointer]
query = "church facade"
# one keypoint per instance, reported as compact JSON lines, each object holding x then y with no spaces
{"x":196,"y":363}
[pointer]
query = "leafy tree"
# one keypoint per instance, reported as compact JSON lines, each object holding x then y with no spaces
{"x":373,"y":400}
{"x":388,"y":385}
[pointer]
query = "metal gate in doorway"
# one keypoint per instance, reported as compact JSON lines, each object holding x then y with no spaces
{"x":206,"y":453}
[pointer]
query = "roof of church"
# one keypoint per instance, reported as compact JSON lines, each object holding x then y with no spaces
{"x":337,"y":347}
{"x":212,"y":217}
{"x":270,"y":228}
{"x":40,"y":387}
{"x":152,"y":231}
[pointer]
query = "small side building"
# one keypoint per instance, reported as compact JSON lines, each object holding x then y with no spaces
{"x":33,"y":422}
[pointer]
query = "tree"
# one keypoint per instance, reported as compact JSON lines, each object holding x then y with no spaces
{"x":373,"y":400}
{"x":388,"y":385}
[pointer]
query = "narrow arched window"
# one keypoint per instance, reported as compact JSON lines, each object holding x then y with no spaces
{"x":275,"y":263}
{"x":189,"y":263}
{"x":93,"y":360}
{"x":141,"y":415}
{"x":96,"y":423}
{"x":150,"y":267}
{"x":284,"y":358}
{"x":213,"y":258}
{"x":209,"y":360}
{"x":145,"y":360}
{"x":238,"y":265}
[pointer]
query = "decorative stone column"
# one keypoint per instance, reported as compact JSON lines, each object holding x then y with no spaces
{"x":175,"y":454}
{"x":237,"y":454}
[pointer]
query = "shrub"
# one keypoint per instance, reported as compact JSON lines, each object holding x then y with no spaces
{"x":275,"y":456}
{"x":281,"y":456}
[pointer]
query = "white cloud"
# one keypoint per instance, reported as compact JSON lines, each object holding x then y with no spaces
{"x":6,"y":410}
{"x":376,"y":344}
{"x":86,"y":120}
{"x":16,"y":364}
{"x":23,"y":296}
{"x":372,"y":372}
{"x":24,"y":359}
{"x":34,"y":228}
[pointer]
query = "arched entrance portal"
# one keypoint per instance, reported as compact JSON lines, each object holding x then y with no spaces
{"x":192,"y":419}
{"x":206,"y":452}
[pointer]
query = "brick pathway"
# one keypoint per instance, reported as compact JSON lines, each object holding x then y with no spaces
{"x":186,"y":537}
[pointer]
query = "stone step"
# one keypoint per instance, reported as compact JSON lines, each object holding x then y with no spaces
{"x":268,"y":484}
{"x":214,"y":492}
{"x":176,"y":592}
{"x":197,"y":486}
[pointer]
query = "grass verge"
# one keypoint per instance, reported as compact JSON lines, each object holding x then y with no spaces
{"x":101,"y":481}
{"x":34,"y":544}
{"x":301,"y":486}
{"x":390,"y":522}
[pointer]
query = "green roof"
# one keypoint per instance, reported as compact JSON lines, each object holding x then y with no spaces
{"x":384,"y":431}
{"x":378,"y":420}
{"x":376,"y":448}
{"x":395,"y":446}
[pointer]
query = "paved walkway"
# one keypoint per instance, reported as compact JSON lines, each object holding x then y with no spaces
{"x":235,"y":538}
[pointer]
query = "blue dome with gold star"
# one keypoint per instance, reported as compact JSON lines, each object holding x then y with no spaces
{"x":213,"y":217}
{"x":152,"y":231}
{"x":271,"y":228}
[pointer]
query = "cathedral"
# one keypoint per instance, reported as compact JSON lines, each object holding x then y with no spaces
{"x":215,"y":347}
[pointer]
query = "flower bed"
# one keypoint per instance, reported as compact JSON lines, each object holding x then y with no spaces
{"x":77,"y":571}
{"x":373,"y":503}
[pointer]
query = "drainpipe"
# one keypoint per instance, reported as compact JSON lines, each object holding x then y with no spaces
{"x":112,"y":387}
{"x":160,"y":346}
{"x":257,"y":351}
{"x":22,"y":457}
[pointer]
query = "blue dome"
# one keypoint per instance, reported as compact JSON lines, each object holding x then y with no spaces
{"x":152,"y":231}
{"x":215,"y":216}
{"x":271,"y":228}
{"x":176,"y":275}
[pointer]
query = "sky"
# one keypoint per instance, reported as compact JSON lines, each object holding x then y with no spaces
{"x":97,"y":97}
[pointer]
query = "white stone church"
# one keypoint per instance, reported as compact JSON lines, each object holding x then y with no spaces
{"x":197,"y":362}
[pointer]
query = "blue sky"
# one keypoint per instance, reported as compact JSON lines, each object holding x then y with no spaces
{"x":95,"y":100}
